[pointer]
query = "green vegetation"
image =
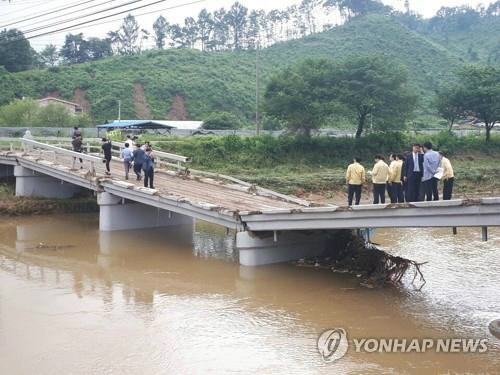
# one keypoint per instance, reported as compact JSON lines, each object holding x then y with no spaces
{"x":15,"y":206}
{"x":28,"y":113}
{"x":361,"y":88}
{"x":477,"y":95}
{"x":222,"y":121}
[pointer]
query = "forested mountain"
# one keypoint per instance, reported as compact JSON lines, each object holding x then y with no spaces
{"x":184,"y":83}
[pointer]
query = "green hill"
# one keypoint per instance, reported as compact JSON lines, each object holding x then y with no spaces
{"x":189,"y":84}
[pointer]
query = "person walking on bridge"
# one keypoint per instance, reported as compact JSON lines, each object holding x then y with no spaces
{"x":77,"y":133}
{"x":355,"y":177}
{"x":77,"y":147}
{"x":106,"y":149}
{"x":138,"y":156}
{"x":448,"y":177}
{"x":432,"y":160}
{"x":380,"y":175}
{"x":148,"y":166}
{"x":127,"y":156}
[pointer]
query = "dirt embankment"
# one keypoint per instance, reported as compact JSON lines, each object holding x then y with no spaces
{"x":81,"y":99}
{"x":142,"y":108}
{"x":178,"y":111}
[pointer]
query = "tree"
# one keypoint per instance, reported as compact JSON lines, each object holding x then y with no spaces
{"x":54,"y":115}
{"x":128,"y":39}
{"x":75,"y":49}
{"x":221,"y":29}
{"x":448,"y":103}
{"x":236,"y":19}
{"x":222,"y":121}
{"x":479,"y":90}
{"x":352,"y":8}
{"x":15,"y":51}
{"x":176,"y":36}
{"x":376,"y":87}
{"x":19,"y":113}
{"x":205,"y":27}
{"x":49,"y":55}
{"x":362,"y":88}
{"x":301,"y":96}
{"x":190,"y":32}
{"x":99,"y":48}
{"x":160,"y":28}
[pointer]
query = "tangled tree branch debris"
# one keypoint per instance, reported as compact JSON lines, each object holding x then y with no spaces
{"x":350,"y":253}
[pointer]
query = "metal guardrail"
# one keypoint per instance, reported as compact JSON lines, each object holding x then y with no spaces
{"x":30,"y":145}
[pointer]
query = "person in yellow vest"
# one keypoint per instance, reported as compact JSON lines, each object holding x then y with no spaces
{"x":355,"y":177}
{"x":380,"y":175}
{"x":448,"y":177}
{"x":394,"y":183}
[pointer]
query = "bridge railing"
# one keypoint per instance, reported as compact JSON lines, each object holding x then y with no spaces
{"x":30,"y":145}
{"x":162,"y":158}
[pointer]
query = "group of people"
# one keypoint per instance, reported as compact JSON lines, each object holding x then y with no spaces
{"x":139,"y":157}
{"x":409,"y":177}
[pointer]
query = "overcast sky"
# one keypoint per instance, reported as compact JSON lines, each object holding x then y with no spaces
{"x":21,"y":9}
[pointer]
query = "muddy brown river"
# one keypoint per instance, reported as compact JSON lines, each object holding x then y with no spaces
{"x":175,"y":301}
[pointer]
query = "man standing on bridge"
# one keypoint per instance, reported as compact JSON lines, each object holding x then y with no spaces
{"x":432,"y":160}
{"x":448,"y":177}
{"x":148,"y":166}
{"x":380,"y":175}
{"x":394,"y":185}
{"x":355,"y":177}
{"x":414,"y":167}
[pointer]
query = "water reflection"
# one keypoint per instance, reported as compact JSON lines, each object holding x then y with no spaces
{"x":173,"y":300}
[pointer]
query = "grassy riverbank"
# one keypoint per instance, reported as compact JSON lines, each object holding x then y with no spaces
{"x":10,"y":205}
{"x":316,"y":167}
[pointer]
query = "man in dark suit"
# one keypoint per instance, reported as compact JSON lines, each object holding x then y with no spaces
{"x":413,"y":171}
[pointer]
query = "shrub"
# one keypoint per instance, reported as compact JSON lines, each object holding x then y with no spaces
{"x":222,"y":121}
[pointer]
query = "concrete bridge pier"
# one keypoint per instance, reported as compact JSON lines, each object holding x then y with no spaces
{"x":116,"y":213}
{"x":33,"y":184}
{"x":260,"y":248}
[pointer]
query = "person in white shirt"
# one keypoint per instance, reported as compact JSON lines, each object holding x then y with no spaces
{"x":127,"y":156}
{"x":131,"y":143}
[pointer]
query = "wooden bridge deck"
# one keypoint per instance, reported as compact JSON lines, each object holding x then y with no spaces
{"x":201,"y":190}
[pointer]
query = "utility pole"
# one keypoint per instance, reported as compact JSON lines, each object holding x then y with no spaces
{"x":119,"y":110}
{"x":257,"y":120}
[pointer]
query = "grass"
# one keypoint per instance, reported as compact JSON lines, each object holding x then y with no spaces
{"x":10,"y":205}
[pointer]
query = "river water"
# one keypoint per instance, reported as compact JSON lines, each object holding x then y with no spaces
{"x":167,"y":301}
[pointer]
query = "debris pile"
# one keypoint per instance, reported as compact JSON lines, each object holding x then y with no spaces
{"x":347,"y":252}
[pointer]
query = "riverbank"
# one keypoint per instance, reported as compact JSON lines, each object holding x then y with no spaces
{"x":10,"y":205}
{"x":314,"y":169}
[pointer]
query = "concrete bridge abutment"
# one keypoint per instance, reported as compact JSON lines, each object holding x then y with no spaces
{"x":116,"y":213}
{"x":33,"y":184}
{"x":261,"y":248}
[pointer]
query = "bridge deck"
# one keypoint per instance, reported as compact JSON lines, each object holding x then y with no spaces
{"x":249,"y":208}
{"x":232,"y":198}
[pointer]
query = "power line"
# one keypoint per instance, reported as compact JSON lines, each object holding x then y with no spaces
{"x":146,"y":13}
{"x":35,"y":4}
{"x":77,"y":26}
{"x":55,"y":10}
{"x":82,"y":16}
{"x":97,"y":19}
{"x":67,"y":14}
